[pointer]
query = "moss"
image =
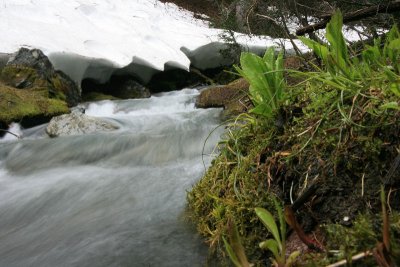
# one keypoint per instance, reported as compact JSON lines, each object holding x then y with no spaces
{"x":59,"y":90}
{"x":314,"y":142}
{"x":21,"y":77}
{"x":57,"y":84}
{"x":362,"y":235}
{"x":231,"y":188}
{"x":17,"y":104}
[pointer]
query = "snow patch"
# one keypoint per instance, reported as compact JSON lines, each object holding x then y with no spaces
{"x":102,"y":37}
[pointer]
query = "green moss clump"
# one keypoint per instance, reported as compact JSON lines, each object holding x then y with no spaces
{"x":21,"y":77}
{"x":57,"y":84}
{"x":17,"y":104}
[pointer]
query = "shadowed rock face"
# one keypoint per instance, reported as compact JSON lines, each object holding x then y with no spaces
{"x":31,"y":69}
{"x":119,"y":87}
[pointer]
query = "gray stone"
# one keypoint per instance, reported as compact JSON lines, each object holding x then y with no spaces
{"x":77,"y":123}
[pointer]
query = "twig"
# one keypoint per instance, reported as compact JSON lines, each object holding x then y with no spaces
{"x":354,"y":258}
{"x":248,"y":15}
{"x":6,"y":131}
{"x":291,"y":220}
{"x":198,"y":72}
{"x":356,"y":15}
{"x":269,"y":18}
{"x":362,"y":184}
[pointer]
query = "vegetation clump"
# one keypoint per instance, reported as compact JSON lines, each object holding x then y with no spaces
{"x":28,"y":104}
{"x":324,"y":148}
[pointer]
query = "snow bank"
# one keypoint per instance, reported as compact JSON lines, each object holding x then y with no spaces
{"x":93,"y":39}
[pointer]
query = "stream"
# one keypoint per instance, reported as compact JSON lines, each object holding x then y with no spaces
{"x":108,"y":199}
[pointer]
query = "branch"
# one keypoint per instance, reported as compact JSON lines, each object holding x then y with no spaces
{"x":352,"y":16}
{"x":6,"y":131}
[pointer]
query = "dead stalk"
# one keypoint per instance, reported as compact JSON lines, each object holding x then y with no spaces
{"x":354,"y":258}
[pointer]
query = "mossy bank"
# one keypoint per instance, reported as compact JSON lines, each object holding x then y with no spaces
{"x":326,"y":149}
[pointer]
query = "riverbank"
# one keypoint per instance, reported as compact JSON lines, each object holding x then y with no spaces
{"x":328,"y":152}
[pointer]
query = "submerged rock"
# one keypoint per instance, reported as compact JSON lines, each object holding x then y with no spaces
{"x":233,"y":97}
{"x":77,"y":123}
{"x":31,"y":69}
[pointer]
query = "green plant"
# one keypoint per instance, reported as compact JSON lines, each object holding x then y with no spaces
{"x":277,"y":245}
{"x":348,"y":71}
{"x":386,"y":57}
{"x":234,"y":247}
{"x":265,"y":75}
{"x":335,"y":56}
{"x":376,"y":68}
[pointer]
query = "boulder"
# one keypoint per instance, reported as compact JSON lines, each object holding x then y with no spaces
{"x":77,"y":123}
{"x":233,"y":97}
{"x":28,"y":107}
{"x":31,"y":69}
{"x":118,"y":87}
{"x":130,"y":89}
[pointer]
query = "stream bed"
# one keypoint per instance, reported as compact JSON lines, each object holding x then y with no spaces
{"x":108,"y":199}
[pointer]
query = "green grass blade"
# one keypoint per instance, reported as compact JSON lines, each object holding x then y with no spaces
{"x":262,"y":109}
{"x":272,"y":246}
{"x":390,"y":105}
{"x":336,"y":39}
{"x":231,"y":253}
{"x":279,"y":78}
{"x":281,"y":217}
{"x":292,"y":258}
{"x":319,"y":49}
{"x":269,"y":222}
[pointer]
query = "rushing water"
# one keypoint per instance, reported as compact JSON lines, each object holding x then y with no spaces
{"x":107,"y":199}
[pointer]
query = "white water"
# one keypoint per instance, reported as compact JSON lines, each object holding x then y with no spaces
{"x":111,"y":199}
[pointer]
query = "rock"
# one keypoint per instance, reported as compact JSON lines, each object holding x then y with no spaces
{"x":34,"y":59}
{"x":77,"y":123}
{"x":173,"y":79}
{"x":233,"y":97}
{"x":31,"y":69}
{"x":28,"y":107}
{"x":130,"y":89}
{"x":118,"y":87}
